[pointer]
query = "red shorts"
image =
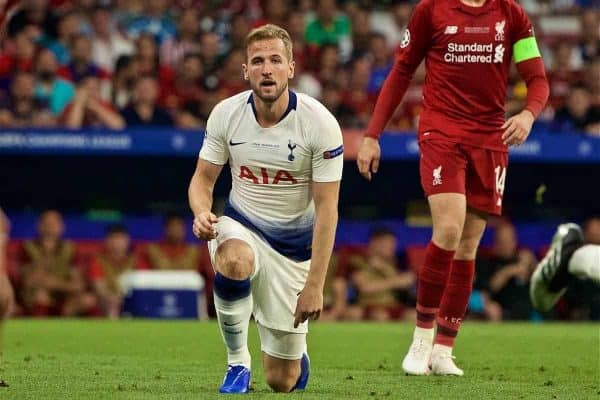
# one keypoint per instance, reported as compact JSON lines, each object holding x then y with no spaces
{"x":477,"y":173}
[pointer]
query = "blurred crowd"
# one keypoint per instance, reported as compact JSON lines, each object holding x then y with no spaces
{"x":53,"y":276}
{"x":133,"y":63}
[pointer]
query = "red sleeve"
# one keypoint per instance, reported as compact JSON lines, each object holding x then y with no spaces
{"x":95,"y":271}
{"x":410,"y":53}
{"x":538,"y":90}
{"x":521,"y":24}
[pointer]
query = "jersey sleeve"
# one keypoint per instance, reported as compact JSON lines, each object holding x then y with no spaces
{"x":524,"y":45}
{"x":417,"y":37}
{"x":214,"y":147}
{"x":327,"y":148}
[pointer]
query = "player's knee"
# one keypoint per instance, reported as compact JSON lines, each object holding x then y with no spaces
{"x":282,"y":380}
{"x":235,"y":260}
{"x":447,"y":234}
{"x":467,"y":249}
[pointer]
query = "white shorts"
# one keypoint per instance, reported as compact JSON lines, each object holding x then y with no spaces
{"x":276,"y":281}
{"x":280,"y":344}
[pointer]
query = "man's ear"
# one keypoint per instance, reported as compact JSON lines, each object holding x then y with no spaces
{"x":245,"y":71}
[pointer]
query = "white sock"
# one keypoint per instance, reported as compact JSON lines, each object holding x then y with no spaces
{"x":441,"y":349}
{"x":585,"y":263}
{"x":234,"y":318}
{"x":424,"y":333}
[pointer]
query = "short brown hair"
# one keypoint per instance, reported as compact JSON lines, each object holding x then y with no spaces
{"x":271,"y":31}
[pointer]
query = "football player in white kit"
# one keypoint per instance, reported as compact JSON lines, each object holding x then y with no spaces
{"x":271,"y":247}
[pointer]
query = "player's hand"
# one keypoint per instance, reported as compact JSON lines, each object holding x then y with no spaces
{"x":309,"y":304}
{"x":204,"y":225}
{"x":368,"y":157}
{"x":517,"y":128}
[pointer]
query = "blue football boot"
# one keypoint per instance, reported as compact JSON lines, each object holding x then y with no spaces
{"x":304,"y":373}
{"x":236,"y":380}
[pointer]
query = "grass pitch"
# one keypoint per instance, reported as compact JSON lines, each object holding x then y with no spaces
{"x":79,"y":359}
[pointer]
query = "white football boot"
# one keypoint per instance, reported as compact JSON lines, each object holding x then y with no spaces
{"x":416,"y":361}
{"x":442,"y":361}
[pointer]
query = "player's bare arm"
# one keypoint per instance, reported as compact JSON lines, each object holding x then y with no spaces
{"x":310,"y":300}
{"x":200,"y":193}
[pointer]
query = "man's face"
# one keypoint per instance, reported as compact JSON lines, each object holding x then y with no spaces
{"x":383,"y":246}
{"x":175,"y":231}
{"x":118,"y":243}
{"x":147,"y":90}
{"x":268,"y":69}
{"x":23,"y":86}
{"x":51,"y":225}
{"x":81,"y":50}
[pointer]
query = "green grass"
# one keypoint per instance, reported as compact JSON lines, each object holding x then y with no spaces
{"x":77,"y":359}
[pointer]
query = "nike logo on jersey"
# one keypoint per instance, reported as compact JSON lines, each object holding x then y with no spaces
{"x":232,"y":143}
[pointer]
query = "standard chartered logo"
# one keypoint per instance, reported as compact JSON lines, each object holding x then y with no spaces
{"x":499,"y":54}
{"x":474,"y":53}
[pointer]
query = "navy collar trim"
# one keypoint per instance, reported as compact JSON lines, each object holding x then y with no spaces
{"x":292,"y":105}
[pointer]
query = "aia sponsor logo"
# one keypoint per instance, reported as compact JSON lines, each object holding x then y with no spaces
{"x":263,"y":178}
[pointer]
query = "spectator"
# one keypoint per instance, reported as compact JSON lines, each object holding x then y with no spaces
{"x":34,"y":16}
{"x":195,"y":114}
{"x":50,"y":283}
{"x":295,"y":26}
{"x":275,"y":12}
{"x":88,"y":110}
{"x":361,"y":32}
{"x":231,"y":79}
{"x":330,"y":27}
{"x":173,"y":50}
{"x":393,"y":22}
{"x":329,"y":61}
{"x":239,"y":29}
{"x":19,"y":58}
{"x":381,"y":62}
{"x":589,"y":45}
{"x":305,"y":82}
{"x":562,"y":75}
{"x":356,"y":96}
{"x":209,"y":51}
{"x":108,"y":43}
{"x":22,"y":109}
{"x":510,"y":286}
{"x":188,"y":83}
{"x":107,"y":267}
{"x":144,"y":111}
{"x":578,"y":113}
{"x":148,"y":62}
{"x":81,"y":65}
{"x":592,"y":81}
{"x":67,"y":27}
{"x":154,"y":21}
{"x":500,"y":289}
{"x":50,"y":89}
{"x":332,"y":99}
{"x":123,"y":81}
{"x":378,"y":280}
{"x":172,"y":252}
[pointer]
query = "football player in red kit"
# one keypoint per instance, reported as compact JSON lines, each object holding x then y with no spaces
{"x":468,"y":47}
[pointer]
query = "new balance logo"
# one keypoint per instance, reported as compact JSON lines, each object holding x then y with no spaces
{"x":451,"y":30}
{"x":437,"y":176}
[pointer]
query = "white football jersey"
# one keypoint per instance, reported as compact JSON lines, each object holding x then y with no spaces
{"x":272,"y":168}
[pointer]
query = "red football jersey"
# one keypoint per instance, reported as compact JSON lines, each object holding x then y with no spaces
{"x":468,"y":52}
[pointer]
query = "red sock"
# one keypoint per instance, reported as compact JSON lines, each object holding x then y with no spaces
{"x":432,"y":280}
{"x":455,"y":301}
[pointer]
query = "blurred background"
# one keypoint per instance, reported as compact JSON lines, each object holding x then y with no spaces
{"x":102,"y":111}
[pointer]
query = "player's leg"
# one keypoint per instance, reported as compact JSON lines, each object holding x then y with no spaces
{"x":456,"y":294}
{"x":285,"y":359}
{"x":552,"y":274}
{"x":442,"y":169}
{"x":448,"y":215}
{"x":234,"y":264}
